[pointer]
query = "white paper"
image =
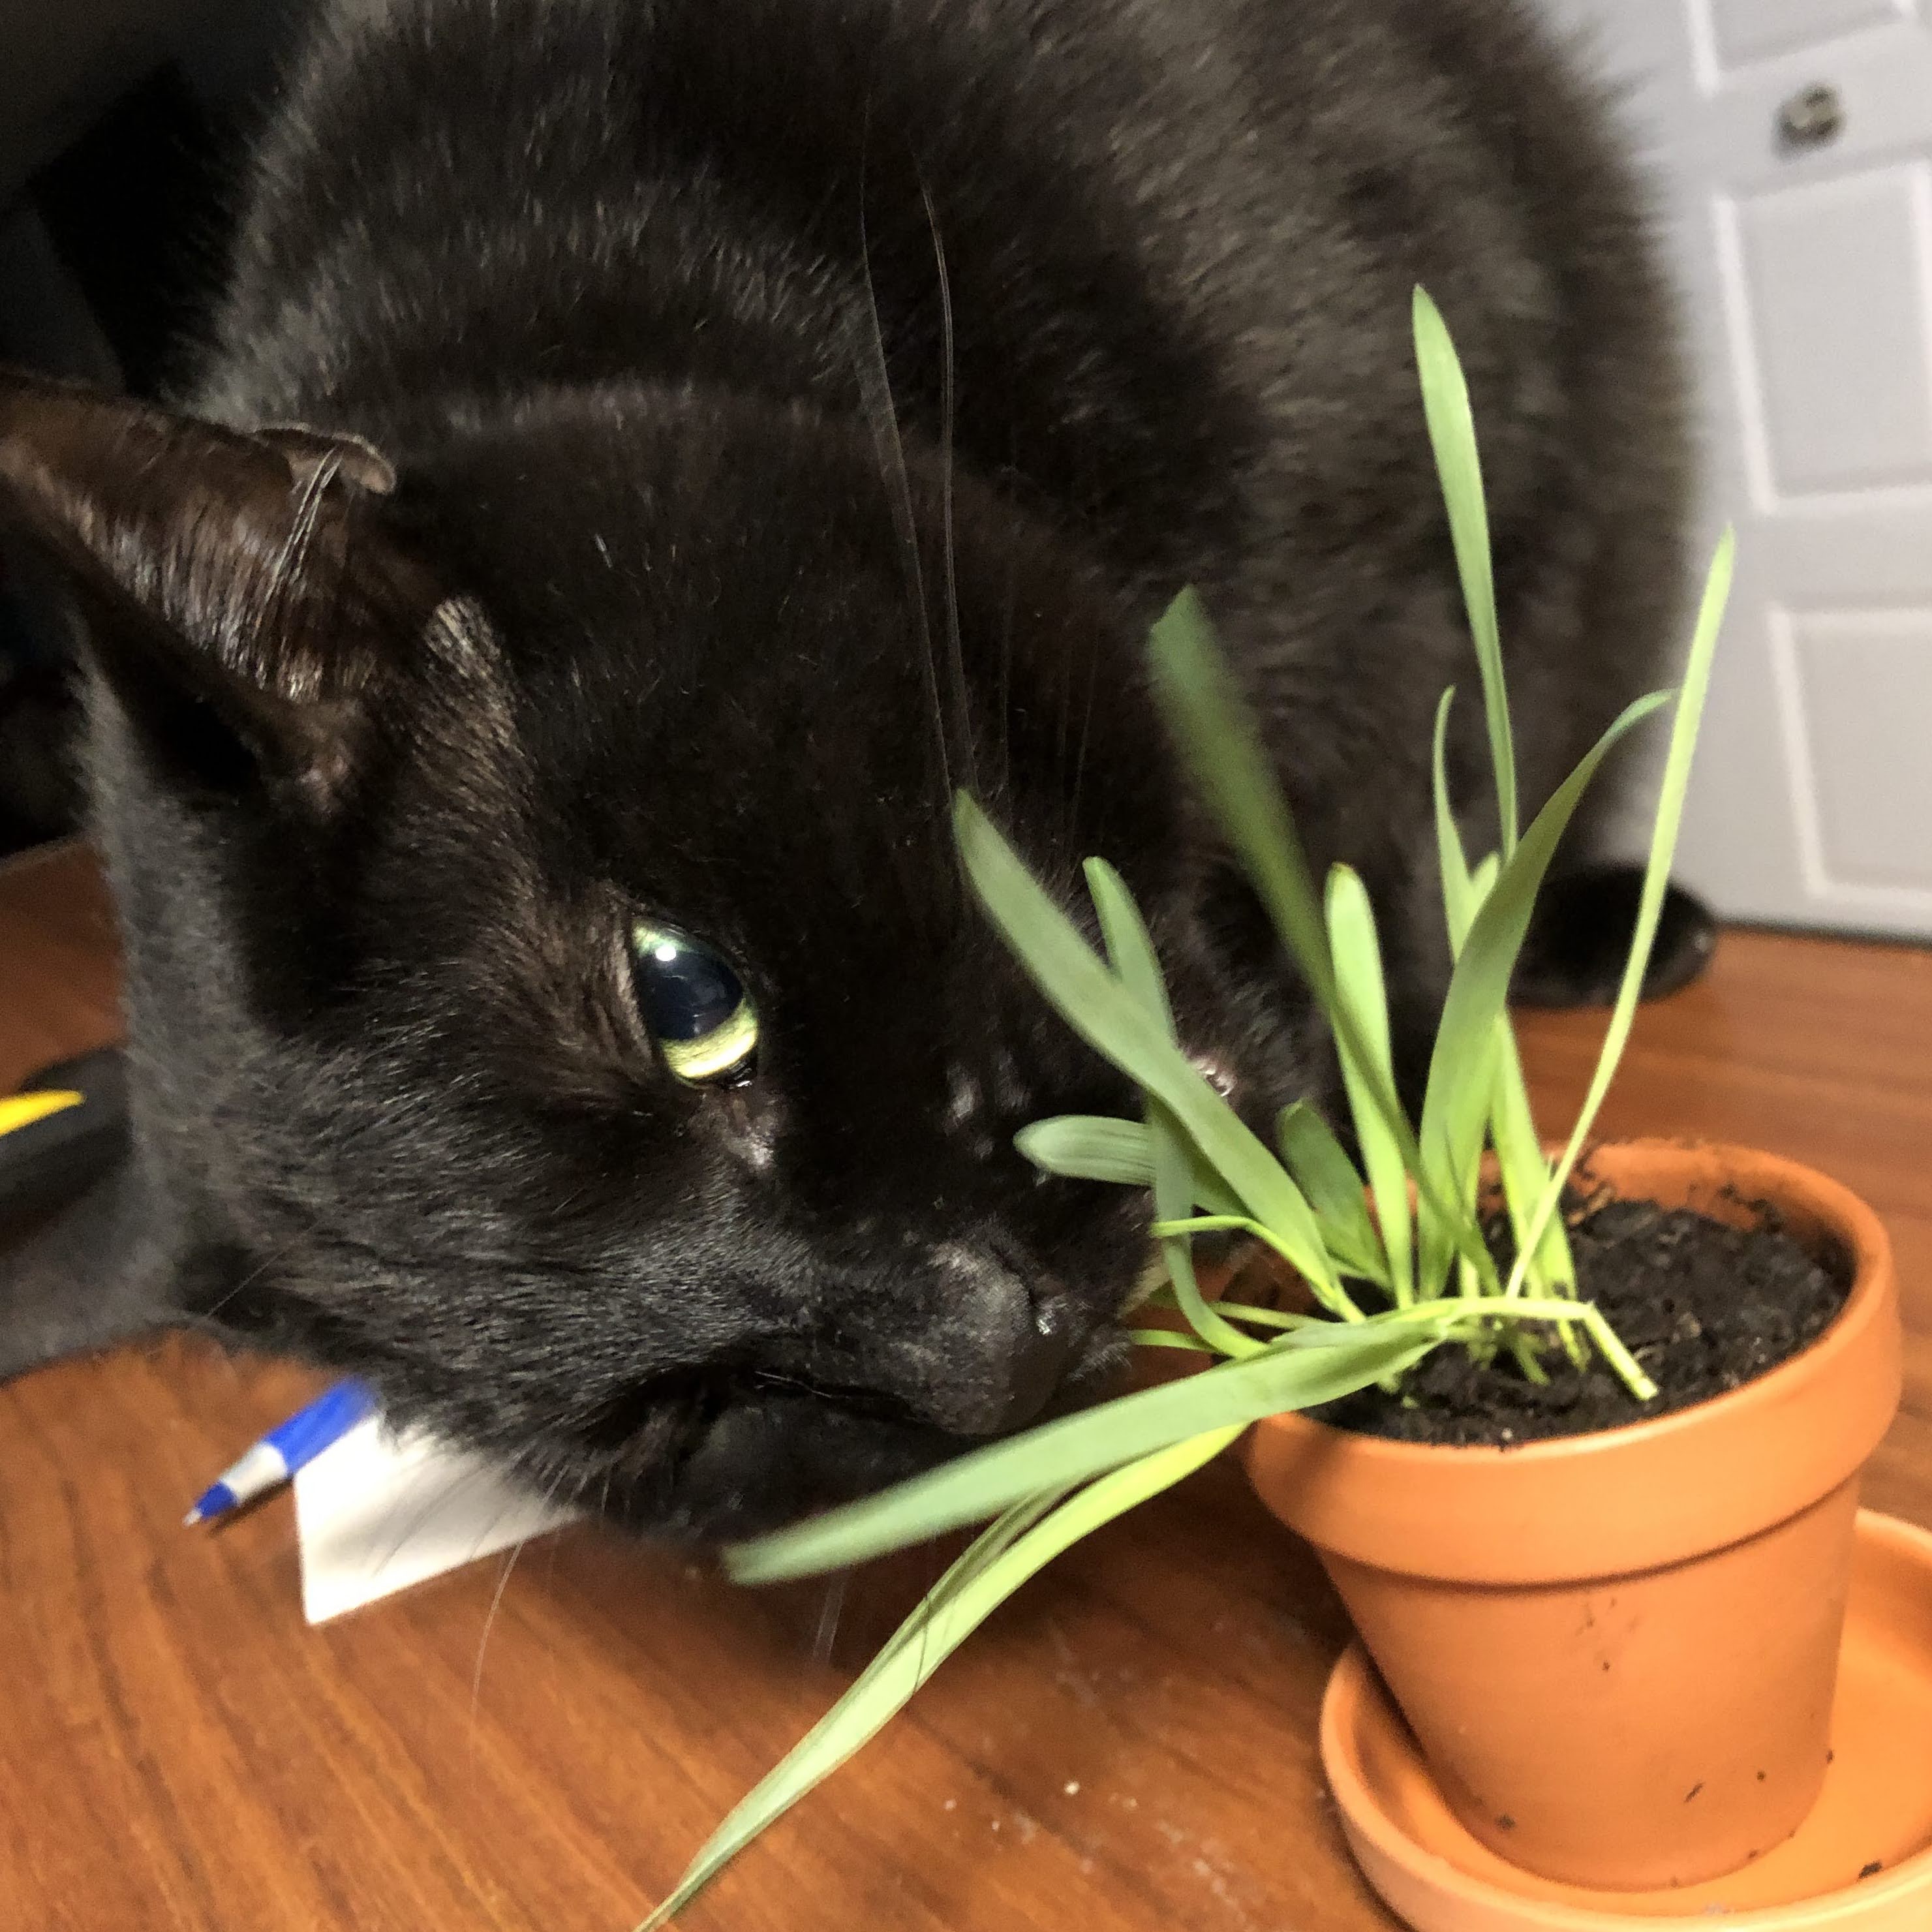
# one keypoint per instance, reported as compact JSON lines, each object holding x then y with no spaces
{"x":376,"y":1512}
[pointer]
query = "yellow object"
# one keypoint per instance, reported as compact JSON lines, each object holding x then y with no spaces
{"x":23,"y":1110}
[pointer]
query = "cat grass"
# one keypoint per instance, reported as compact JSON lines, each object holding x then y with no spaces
{"x":1393,"y":1250}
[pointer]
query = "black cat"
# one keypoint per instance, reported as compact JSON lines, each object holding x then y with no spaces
{"x":650,"y":453}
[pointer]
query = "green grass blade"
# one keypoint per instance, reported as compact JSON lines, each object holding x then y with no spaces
{"x":1094,"y":1004}
{"x":1318,"y":1363}
{"x":1452,"y":861}
{"x":859,"y":1715}
{"x":1130,"y":947}
{"x":1339,"y":1305}
{"x":1453,"y":1149}
{"x":1095,"y":1147}
{"x":1212,"y":1195}
{"x":1267,"y":1318}
{"x":1461,"y":1076}
{"x":1249,"y":1313}
{"x":1090,"y":1147}
{"x":1337,"y":1193}
{"x":1462,"y":895}
{"x":924,"y":1642}
{"x":1226,"y":761}
{"x":1226,"y":757}
{"x":1524,"y":1169}
{"x":1684,"y":729}
{"x":1361,"y":992}
{"x":1452,"y":434}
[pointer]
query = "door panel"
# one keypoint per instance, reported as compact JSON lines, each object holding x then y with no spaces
{"x":1742,"y":31}
{"x":1829,"y":294}
{"x":1790,"y":145}
{"x":1858,"y":763}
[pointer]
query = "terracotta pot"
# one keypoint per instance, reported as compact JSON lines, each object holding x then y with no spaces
{"x":1618,"y":1651}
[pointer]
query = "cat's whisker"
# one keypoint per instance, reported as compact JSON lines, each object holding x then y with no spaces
{"x":1063,"y":724}
{"x":1010,"y":605}
{"x":275,"y":1256}
{"x":948,"y":372}
{"x":409,"y":1527}
{"x":302,"y":527}
{"x":489,"y":1619}
{"x":875,"y":393}
{"x":1080,"y":754}
{"x":828,"y":1617}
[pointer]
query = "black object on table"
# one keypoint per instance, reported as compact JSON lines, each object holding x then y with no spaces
{"x":50,"y":1160}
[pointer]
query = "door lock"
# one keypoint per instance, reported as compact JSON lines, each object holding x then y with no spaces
{"x":1813,"y":117}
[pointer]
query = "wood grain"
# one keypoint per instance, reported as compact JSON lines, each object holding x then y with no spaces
{"x":541,"y":1744}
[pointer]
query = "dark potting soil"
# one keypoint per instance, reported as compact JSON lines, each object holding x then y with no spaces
{"x":1704,"y":1306}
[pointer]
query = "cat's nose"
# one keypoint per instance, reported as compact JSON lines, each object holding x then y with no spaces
{"x":1011,"y":1346}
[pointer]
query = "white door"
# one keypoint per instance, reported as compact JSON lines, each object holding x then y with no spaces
{"x":1791,"y":144}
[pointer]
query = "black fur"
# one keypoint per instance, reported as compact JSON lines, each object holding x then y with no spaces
{"x":795,"y":409}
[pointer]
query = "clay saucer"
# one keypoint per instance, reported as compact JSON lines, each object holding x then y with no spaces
{"x":1861,"y":1862}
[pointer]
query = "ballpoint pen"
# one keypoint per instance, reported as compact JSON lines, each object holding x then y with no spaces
{"x":284,"y":1450}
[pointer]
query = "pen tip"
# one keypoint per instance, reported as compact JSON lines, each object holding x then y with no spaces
{"x":193,"y":1516}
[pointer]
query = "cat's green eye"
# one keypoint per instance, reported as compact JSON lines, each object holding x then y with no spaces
{"x":694,"y":1004}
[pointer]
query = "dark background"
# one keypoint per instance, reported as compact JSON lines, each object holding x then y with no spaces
{"x":115,"y":220}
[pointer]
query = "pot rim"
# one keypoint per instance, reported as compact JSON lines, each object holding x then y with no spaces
{"x":1644,"y":1495}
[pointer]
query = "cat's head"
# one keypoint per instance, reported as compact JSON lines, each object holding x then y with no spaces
{"x":554,"y":994}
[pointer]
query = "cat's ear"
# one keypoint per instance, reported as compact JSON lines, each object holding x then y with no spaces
{"x":243,"y":580}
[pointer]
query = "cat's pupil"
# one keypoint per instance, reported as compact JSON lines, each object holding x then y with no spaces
{"x":694,"y":1003}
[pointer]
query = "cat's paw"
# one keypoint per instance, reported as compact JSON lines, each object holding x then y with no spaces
{"x":1580,"y":937}
{"x":79,"y":1269}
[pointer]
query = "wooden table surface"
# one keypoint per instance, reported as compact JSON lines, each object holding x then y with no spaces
{"x":541,"y":1744}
